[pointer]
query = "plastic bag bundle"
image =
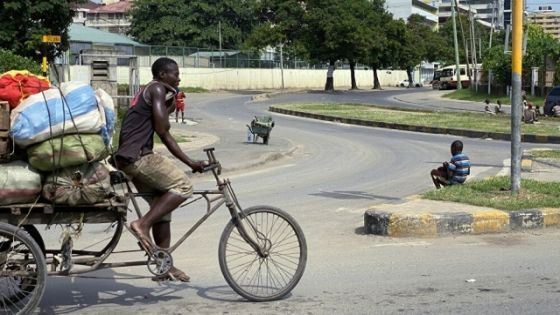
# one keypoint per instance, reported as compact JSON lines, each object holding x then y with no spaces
{"x":16,"y":85}
{"x":67,"y":151}
{"x":107,"y":108}
{"x":19,"y":183}
{"x":48,"y":114}
{"x":85,"y":184}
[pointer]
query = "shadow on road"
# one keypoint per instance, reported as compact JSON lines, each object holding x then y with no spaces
{"x":351,"y":194}
{"x":72,"y":294}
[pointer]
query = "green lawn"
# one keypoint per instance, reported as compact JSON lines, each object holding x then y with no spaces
{"x":442,"y":119}
{"x":547,"y":154}
{"x":495,"y":193}
{"x":471,"y":95}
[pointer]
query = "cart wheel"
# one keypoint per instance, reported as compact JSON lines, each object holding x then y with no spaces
{"x":265,"y":139}
{"x":23,"y":271}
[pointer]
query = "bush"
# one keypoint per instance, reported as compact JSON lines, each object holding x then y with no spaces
{"x":11,"y":61}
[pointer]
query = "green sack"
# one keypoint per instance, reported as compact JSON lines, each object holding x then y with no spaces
{"x":81,"y":185}
{"x":74,"y":152}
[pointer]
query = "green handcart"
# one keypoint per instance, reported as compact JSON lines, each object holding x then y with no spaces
{"x":260,"y":126}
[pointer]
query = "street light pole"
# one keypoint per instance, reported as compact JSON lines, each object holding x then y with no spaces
{"x":516,"y":68}
{"x":456,"y":43}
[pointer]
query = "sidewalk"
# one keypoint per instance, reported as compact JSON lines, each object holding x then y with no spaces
{"x":233,"y":152}
{"x":427,"y":218}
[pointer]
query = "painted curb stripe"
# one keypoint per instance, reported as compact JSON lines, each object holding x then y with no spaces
{"x":425,"y":129}
{"x":454,"y":223}
{"x":422,"y":224}
{"x":376,"y":222}
{"x":490,"y":221}
{"x":526,"y":219}
{"x":551,"y":216}
{"x":478,"y":222}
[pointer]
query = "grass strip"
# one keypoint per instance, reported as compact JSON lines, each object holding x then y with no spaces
{"x":472,"y":95}
{"x":547,"y":126}
{"x":495,"y":193}
{"x":546,"y":154}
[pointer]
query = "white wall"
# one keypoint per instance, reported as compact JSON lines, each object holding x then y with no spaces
{"x":247,"y":79}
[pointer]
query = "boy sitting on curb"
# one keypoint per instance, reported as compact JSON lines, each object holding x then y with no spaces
{"x":455,"y":171}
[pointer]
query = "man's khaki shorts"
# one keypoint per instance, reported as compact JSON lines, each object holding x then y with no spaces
{"x":155,"y":173}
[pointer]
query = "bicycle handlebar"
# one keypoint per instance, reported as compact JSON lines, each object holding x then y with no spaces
{"x":213,"y":163}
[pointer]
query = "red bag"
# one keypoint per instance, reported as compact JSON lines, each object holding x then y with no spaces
{"x":15,"y":86}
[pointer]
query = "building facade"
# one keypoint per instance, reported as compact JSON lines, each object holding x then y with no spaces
{"x":402,"y":9}
{"x":486,"y":12}
{"x":109,"y":16}
{"x":549,"y":20}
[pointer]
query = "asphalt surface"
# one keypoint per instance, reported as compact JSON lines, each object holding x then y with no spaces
{"x":326,"y":175}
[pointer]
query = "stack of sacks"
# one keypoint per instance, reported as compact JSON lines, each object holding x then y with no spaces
{"x":19,"y":182}
{"x":65,"y":132}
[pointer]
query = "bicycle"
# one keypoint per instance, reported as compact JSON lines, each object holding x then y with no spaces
{"x":262,"y":251}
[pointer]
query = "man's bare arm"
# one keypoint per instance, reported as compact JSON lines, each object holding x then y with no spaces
{"x":162,"y":127}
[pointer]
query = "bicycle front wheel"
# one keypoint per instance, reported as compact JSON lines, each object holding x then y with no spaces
{"x":269,"y":275}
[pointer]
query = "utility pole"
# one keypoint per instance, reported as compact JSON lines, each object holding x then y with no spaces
{"x":282,"y":64}
{"x":516,"y":67}
{"x":473,"y":47}
{"x":220,"y":42}
{"x":492,"y":25}
{"x":456,"y":44}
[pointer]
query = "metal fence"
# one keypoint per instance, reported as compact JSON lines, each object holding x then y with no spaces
{"x":207,"y":58}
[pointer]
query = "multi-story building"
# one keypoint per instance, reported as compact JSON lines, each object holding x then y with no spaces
{"x":548,"y":19}
{"x":402,"y":9}
{"x":485,"y":12}
{"x":81,"y":11}
{"x":113,"y":17}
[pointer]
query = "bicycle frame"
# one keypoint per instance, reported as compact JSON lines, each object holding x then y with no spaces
{"x":223,"y":195}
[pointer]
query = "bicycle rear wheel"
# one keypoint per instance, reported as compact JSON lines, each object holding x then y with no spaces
{"x":269,"y":276}
{"x":22,"y":271}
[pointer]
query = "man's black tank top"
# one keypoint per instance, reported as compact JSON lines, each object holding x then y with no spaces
{"x":137,"y":130}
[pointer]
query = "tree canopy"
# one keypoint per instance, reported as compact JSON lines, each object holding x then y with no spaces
{"x":196,"y":23}
{"x":23,"y":22}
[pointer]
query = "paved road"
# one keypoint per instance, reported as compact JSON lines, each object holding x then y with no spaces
{"x":336,"y":172}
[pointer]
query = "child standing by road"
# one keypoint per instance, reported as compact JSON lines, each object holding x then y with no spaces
{"x":180,"y":106}
{"x":455,"y":171}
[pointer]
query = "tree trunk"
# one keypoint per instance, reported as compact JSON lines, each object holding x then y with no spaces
{"x":353,"y":75}
{"x":329,"y":85}
{"x":409,"y":75}
{"x":376,"y":84}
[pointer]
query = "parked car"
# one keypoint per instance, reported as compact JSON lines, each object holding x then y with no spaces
{"x":551,"y":99}
{"x":404,"y":83}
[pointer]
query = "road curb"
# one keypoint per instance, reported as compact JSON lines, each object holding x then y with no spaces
{"x":427,"y":224}
{"x":415,"y":128}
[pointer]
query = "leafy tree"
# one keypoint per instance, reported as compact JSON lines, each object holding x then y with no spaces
{"x":539,"y":45}
{"x":279,"y":22}
{"x":23,"y":22}
{"x":338,"y":30}
{"x":414,"y":48}
{"x":192,"y":23}
{"x":498,"y":62}
{"x":11,"y":61}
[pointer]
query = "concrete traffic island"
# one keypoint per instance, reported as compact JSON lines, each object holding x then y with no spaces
{"x":427,"y":218}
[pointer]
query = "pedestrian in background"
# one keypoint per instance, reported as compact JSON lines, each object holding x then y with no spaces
{"x":180,"y":106}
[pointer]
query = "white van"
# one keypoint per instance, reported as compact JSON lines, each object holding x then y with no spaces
{"x":448,"y":78}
